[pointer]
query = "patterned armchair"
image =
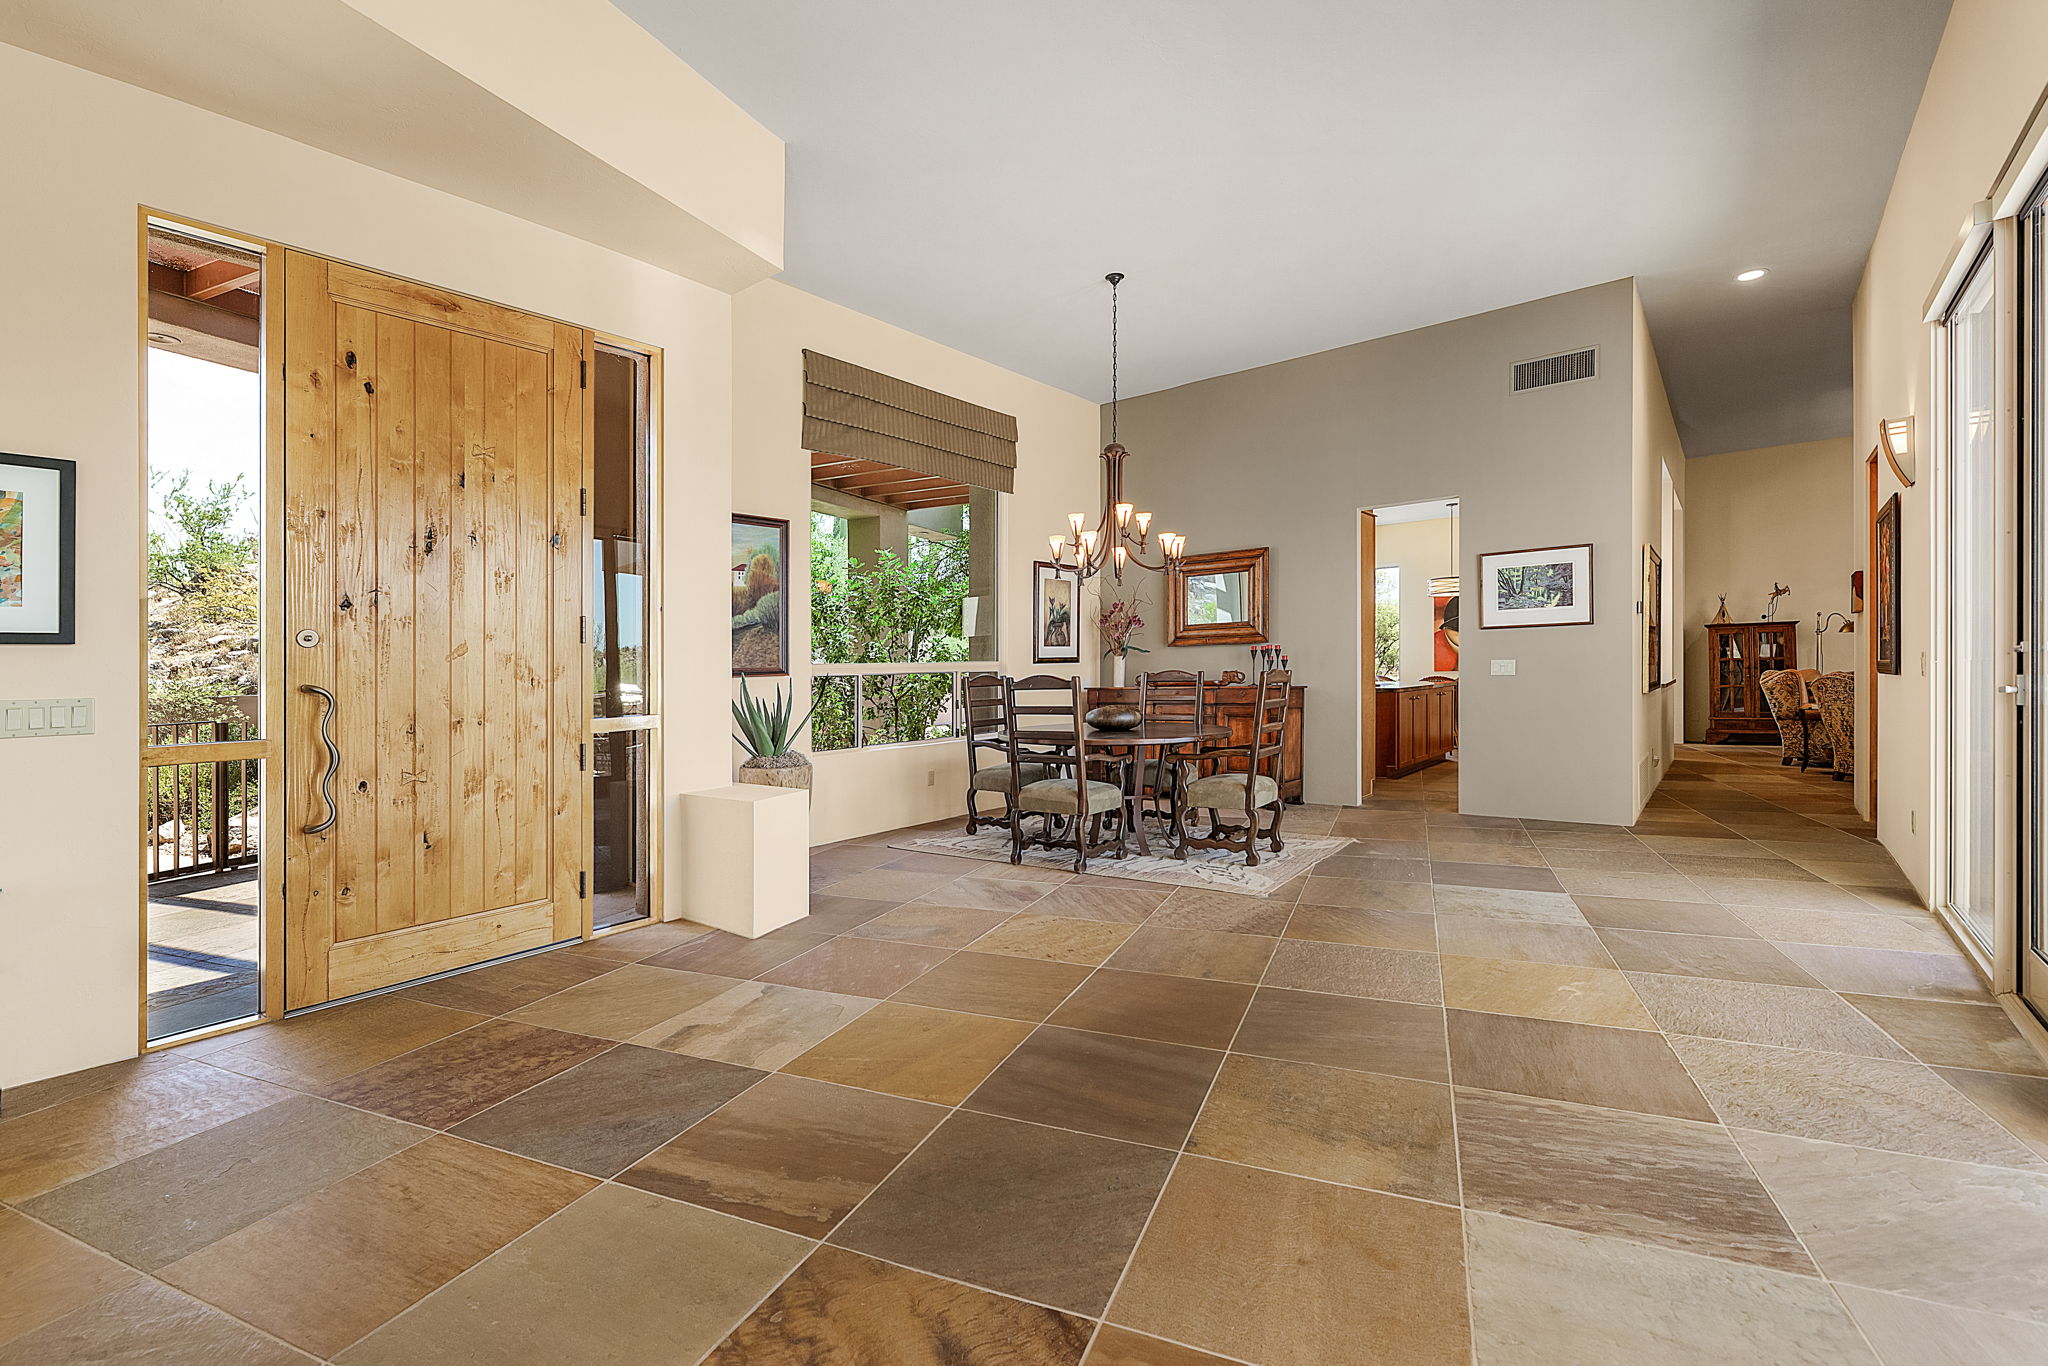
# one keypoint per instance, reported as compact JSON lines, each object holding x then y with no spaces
{"x":1835,"y":695}
{"x":1785,"y":691}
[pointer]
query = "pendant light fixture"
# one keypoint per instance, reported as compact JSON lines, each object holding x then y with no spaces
{"x":1446,"y":585}
{"x":1123,"y":533}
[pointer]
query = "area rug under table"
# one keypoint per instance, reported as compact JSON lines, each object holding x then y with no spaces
{"x":1217,"y":868}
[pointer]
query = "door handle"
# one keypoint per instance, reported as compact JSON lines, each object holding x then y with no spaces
{"x":333,"y":757}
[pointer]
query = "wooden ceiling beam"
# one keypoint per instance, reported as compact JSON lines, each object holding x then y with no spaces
{"x":890,"y":479}
{"x":947,"y":498}
{"x":219,"y":277}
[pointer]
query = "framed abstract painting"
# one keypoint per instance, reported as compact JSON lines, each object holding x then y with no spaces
{"x":1548,"y":586}
{"x":38,"y":550}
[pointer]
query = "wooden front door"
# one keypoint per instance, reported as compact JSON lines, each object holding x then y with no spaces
{"x":434,"y":589}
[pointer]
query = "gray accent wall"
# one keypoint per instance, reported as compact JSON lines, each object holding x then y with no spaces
{"x":1286,"y":455}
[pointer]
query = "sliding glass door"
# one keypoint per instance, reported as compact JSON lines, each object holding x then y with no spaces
{"x":2031,"y":974}
{"x":1977,"y":674}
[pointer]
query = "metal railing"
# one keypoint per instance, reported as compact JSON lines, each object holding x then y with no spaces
{"x":202,"y":816}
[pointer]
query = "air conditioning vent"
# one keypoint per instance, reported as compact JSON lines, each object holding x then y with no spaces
{"x":1539,"y":374}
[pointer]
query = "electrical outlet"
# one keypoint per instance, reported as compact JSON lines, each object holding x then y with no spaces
{"x":1503,"y":666}
{"x":931,"y":777}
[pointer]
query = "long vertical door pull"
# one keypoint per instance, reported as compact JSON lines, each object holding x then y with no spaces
{"x":333,"y":756}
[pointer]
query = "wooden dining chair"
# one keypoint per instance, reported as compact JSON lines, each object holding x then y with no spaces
{"x":1169,"y":695}
{"x":1074,"y":803}
{"x":1254,"y":789}
{"x":986,"y":698}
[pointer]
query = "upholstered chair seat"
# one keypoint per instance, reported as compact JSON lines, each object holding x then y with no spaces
{"x":996,"y":777}
{"x":1225,"y":791}
{"x":1060,"y":797}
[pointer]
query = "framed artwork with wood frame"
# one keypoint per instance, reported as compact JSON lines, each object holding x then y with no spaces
{"x":1550,"y":585}
{"x":1217,"y":599}
{"x":760,"y":571}
{"x":38,"y":553}
{"x":1885,"y":535}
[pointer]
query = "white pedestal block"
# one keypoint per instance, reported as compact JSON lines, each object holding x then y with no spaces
{"x":746,"y":857}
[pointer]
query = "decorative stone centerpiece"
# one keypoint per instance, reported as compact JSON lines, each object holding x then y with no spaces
{"x":1114,"y":716}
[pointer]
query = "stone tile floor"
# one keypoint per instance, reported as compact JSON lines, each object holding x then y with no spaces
{"x":1711,"y":1089}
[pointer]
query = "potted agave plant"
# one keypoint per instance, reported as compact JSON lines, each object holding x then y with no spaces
{"x":764,"y":730}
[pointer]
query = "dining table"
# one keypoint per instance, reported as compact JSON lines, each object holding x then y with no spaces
{"x":1160,"y":738}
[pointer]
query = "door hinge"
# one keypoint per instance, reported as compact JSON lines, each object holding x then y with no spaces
{"x":582,"y":885}
{"x":582,"y":374}
{"x":583,"y":502}
{"x":582,"y":630}
{"x":582,"y":757}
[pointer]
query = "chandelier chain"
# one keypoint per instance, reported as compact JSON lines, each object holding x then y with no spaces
{"x":1115,"y":282}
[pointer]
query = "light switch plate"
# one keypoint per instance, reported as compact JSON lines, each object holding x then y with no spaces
{"x":1503,"y":666}
{"x":25,"y":716}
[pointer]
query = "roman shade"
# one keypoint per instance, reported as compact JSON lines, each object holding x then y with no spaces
{"x":863,"y":414}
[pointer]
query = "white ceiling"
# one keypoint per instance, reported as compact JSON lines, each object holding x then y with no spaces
{"x":1437,"y":511}
{"x":1282,"y":177}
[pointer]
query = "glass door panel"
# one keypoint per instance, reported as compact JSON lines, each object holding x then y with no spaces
{"x":1978,"y":648}
{"x":2033,"y":947}
{"x":624,"y":692}
{"x":203,"y":746}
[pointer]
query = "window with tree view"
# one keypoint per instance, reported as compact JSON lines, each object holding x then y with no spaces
{"x":1386,"y":622}
{"x":896,"y":585}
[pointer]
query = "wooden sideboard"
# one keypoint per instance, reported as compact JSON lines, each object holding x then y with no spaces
{"x":1232,"y":705}
{"x":1415,"y":725}
{"x":1738,"y":654}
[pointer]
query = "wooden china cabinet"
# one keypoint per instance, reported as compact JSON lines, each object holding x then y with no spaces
{"x":1738,"y":654}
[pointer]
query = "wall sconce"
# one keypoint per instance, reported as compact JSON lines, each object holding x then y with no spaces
{"x":1895,"y":439}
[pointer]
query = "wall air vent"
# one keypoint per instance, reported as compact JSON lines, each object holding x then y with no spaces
{"x":1539,"y":374}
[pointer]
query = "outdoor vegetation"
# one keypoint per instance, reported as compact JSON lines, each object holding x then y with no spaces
{"x":1386,"y":622}
{"x":893,"y":611}
{"x":204,"y":596}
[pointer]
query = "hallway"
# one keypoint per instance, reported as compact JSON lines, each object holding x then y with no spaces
{"x":1711,"y":1089}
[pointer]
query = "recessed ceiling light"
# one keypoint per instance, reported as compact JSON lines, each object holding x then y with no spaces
{"x":165,"y":338}
{"x":1749,"y":275}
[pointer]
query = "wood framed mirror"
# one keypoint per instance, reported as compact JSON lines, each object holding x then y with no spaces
{"x":1217,"y":599}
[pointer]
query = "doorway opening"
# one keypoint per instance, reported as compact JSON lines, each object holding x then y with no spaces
{"x":1413,"y":629}
{"x":206,"y":753}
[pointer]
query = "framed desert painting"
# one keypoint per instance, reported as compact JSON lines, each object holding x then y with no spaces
{"x":1055,"y":620}
{"x":1548,"y":586}
{"x":38,"y":557}
{"x":760,"y":566}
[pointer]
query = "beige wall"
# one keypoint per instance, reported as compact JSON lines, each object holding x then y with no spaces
{"x":1980,"y":93}
{"x":1285,"y":456}
{"x":1421,"y":551}
{"x":84,"y":152}
{"x":1785,"y":514}
{"x":860,"y":792}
